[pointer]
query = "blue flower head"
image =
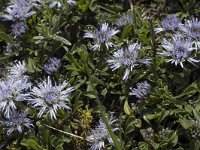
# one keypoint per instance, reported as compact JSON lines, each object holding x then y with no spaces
{"x":99,"y":135}
{"x":18,"y":28}
{"x":101,"y":36}
{"x":48,"y":98}
{"x":127,"y":58}
{"x":178,"y":49}
{"x":52,"y":65}
{"x":170,"y":23}
{"x":13,"y":90}
{"x":19,"y":10}
{"x":191,"y":28}
{"x":17,"y":122}
{"x":142,"y":91}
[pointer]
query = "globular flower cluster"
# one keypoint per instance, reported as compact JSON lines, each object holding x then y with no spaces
{"x":18,"y":11}
{"x":47,"y":97}
{"x":99,"y":135}
{"x":14,"y":88}
{"x":52,"y":65}
{"x":142,"y":91}
{"x":127,"y":58}
{"x":101,"y":36}
{"x":178,"y":49}
{"x":17,"y":122}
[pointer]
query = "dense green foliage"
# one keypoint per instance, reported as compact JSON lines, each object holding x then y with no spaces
{"x":168,"y":118}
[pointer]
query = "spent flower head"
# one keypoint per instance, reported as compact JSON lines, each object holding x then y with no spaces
{"x":195,"y":128}
{"x":52,"y":65}
{"x":101,"y":36}
{"x":163,"y":133}
{"x":127,"y":58}
{"x":48,"y":98}
{"x":178,"y":49}
{"x":142,"y":91}
{"x":124,"y":20}
{"x":17,"y":122}
{"x":100,"y":134}
{"x":149,"y":134}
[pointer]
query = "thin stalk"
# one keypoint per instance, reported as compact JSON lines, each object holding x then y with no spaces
{"x":153,"y":45}
{"x":106,"y":9}
{"x":67,"y":133}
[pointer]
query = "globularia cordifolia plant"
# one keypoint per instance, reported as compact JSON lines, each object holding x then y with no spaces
{"x":66,"y":63}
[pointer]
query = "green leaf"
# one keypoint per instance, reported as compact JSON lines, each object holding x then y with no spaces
{"x":143,"y":146}
{"x":195,"y":145}
{"x":197,"y":107}
{"x":39,"y":38}
{"x":196,"y":114}
{"x":59,"y":147}
{"x":146,"y":119}
{"x":30,"y":66}
{"x":152,"y":116}
{"x":73,"y":69}
{"x":104,"y":92}
{"x":53,"y":140}
{"x":154,"y":144}
{"x":185,"y":123}
{"x":61,"y":39}
{"x":138,"y":123}
{"x":188,"y":108}
{"x":6,"y":37}
{"x":174,"y":139}
{"x":129,"y":125}
{"x":90,"y":94}
{"x":30,"y":143}
{"x":192,"y":89}
{"x":127,"y":108}
{"x":60,"y":141}
{"x":73,"y":60}
{"x":95,"y":80}
{"x":126,"y":31}
{"x":163,"y":115}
